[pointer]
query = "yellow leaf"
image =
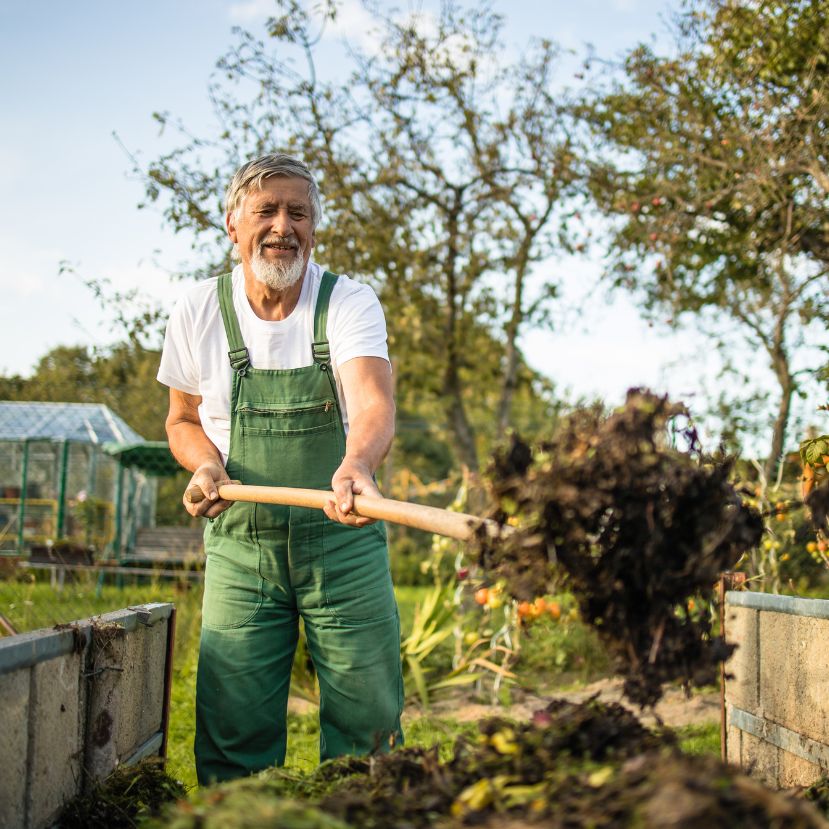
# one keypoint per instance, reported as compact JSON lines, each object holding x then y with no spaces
{"x":599,"y":777}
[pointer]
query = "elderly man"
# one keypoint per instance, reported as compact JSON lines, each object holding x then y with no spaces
{"x":279,"y":375}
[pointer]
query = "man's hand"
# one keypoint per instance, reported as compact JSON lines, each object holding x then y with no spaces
{"x":208,"y":477}
{"x":352,"y":478}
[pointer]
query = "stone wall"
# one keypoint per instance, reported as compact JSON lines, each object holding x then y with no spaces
{"x":75,"y":702}
{"x":777,"y":697}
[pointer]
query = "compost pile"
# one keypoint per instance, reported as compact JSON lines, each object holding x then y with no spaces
{"x":590,"y":764}
{"x":612,"y":511}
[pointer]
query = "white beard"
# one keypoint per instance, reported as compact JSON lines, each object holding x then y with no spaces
{"x":277,"y":275}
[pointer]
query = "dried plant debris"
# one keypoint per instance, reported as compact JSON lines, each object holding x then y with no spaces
{"x":574,"y":765}
{"x":818,"y":503}
{"x":127,"y":797}
{"x":818,"y":793}
{"x":612,"y":510}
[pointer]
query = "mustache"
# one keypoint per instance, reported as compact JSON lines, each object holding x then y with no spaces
{"x":285,"y":241}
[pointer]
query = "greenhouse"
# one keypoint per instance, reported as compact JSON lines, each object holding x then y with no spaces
{"x":75,"y":481}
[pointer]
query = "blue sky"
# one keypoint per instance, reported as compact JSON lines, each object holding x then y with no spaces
{"x":77,"y":72}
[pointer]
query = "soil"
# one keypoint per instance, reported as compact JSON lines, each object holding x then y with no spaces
{"x":588,"y":764}
{"x":676,"y":708}
{"x":627,"y":514}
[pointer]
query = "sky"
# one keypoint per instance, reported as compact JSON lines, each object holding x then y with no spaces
{"x":78,"y":74}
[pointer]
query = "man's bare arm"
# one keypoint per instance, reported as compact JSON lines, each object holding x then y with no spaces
{"x":369,"y":398}
{"x":195,"y":451}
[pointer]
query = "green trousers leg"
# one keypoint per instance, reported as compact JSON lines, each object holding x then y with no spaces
{"x":249,"y":636}
{"x":245,"y":657}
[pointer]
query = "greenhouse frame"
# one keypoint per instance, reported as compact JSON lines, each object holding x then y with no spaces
{"x":75,"y":479}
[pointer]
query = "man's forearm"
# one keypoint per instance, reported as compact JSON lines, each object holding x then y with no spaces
{"x":370,"y":435}
{"x":190,"y":445}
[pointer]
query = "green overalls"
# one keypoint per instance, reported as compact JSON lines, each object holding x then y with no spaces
{"x":268,"y":565}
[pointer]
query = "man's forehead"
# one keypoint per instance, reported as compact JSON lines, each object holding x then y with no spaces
{"x":281,"y":188}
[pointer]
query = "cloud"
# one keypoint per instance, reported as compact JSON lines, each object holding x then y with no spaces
{"x":250,"y":11}
{"x":356,"y":25}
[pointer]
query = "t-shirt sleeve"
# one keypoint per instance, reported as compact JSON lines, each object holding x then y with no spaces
{"x":358,"y":329}
{"x":178,"y":368}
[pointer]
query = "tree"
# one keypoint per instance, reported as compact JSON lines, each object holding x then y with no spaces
{"x":122,"y":377}
{"x":713,"y":164}
{"x":443,"y":166}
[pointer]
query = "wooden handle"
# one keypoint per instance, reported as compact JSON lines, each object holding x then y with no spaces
{"x":443,"y":522}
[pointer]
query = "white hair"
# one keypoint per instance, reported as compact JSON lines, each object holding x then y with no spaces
{"x":252,"y":174}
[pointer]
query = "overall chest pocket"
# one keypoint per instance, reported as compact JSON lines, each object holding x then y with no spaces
{"x":298,"y":445}
{"x":287,"y":420}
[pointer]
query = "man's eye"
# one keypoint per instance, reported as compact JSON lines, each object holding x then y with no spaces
{"x":298,"y":214}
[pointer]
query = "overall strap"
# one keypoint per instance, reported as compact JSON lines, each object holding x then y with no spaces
{"x":321,"y":348}
{"x":238,"y":354}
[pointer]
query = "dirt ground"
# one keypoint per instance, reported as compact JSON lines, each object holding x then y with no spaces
{"x":674,"y":709}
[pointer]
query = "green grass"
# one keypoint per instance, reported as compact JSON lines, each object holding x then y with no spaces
{"x":703,"y":738}
{"x":30,"y":602}
{"x":552,"y":652}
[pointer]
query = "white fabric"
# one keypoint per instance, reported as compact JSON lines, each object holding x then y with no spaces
{"x":195,"y":361}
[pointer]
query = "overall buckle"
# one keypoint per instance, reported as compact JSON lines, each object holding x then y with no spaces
{"x":239,"y":360}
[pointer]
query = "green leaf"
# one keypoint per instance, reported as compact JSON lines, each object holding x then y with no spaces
{"x":419,"y":680}
{"x":454,"y":681}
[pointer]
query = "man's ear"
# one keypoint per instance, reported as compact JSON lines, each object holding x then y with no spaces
{"x":230,"y":224}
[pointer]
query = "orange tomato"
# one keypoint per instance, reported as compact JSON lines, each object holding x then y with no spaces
{"x":540,"y":605}
{"x":554,"y":609}
{"x":482,"y":595}
{"x":524,"y":610}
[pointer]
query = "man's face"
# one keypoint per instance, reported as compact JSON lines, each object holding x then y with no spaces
{"x":273,"y":231}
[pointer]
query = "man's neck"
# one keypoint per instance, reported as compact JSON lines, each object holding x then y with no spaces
{"x":269,"y":304}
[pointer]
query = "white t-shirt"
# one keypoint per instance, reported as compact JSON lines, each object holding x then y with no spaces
{"x":195,"y":361}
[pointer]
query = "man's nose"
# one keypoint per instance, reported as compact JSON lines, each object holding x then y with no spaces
{"x":281,"y":223}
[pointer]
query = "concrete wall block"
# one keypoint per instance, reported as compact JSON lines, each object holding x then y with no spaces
{"x":132,"y":689}
{"x":141,"y":687}
{"x":105,"y":659}
{"x":795,"y":771}
{"x":152,"y":697}
{"x":734,"y":746}
{"x":14,"y":745}
{"x":760,"y":759}
{"x":55,"y":748}
{"x":794,"y":673}
{"x":742,"y":629}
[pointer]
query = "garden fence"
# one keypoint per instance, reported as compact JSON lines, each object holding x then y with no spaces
{"x":79,"y":700}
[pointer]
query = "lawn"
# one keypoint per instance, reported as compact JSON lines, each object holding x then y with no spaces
{"x":553,"y":655}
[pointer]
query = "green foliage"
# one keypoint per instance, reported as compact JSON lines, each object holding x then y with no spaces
{"x":435,"y":621}
{"x":813,"y":450}
{"x":557,"y":653}
{"x":444,"y":168}
{"x":713,"y":170}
